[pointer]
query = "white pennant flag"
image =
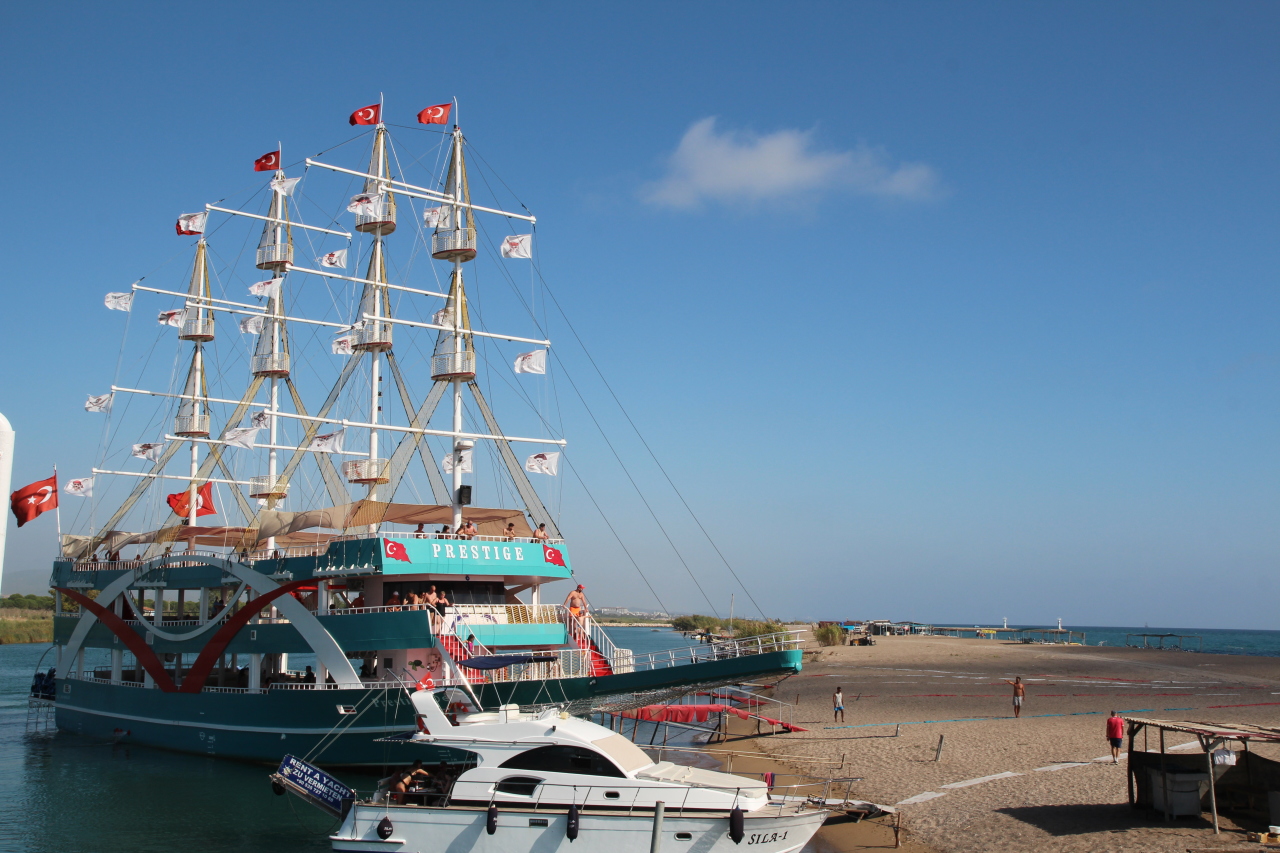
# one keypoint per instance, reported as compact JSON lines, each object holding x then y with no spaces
{"x":464,"y":467}
{"x":331,"y":443}
{"x":531,"y":362}
{"x":241,"y":437}
{"x":172,"y":318}
{"x":342,"y":345}
{"x":81,"y":487}
{"x":543,"y":463}
{"x":253,"y":325}
{"x":119,"y":301}
{"x":266,"y":288}
{"x":284,"y":186}
{"x":150,"y":451}
{"x":436,"y":217}
{"x":366,"y":204}
{"x":518,"y":246}
{"x":334,"y":260}
{"x":260,"y":420}
{"x":98,"y":403}
{"x":191,"y":223}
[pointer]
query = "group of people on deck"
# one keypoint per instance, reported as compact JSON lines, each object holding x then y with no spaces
{"x":470,"y":531}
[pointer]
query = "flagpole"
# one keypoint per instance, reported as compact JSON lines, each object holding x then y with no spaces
{"x":57,"y":510}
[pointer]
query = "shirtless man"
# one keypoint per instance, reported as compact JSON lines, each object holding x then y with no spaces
{"x":468,"y":531}
{"x":509,"y":534}
{"x":541,"y":533}
{"x":1019,"y":691}
{"x":837,"y":701}
{"x":576,"y":602}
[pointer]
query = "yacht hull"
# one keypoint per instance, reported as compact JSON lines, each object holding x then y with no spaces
{"x":770,"y":830}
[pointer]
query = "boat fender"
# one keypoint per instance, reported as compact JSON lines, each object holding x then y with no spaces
{"x":491,"y":825}
{"x":385,"y":828}
{"x":571,"y":825}
{"x":277,"y":789}
{"x":737,"y":827}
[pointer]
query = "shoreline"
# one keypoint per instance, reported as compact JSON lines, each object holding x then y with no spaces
{"x":1006,"y":784}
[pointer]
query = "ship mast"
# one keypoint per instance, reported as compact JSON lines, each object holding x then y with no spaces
{"x":192,"y":420}
{"x":455,"y":359}
{"x":271,"y":354}
{"x":372,"y":334}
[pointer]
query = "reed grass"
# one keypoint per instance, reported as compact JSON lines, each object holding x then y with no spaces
{"x":25,"y":629}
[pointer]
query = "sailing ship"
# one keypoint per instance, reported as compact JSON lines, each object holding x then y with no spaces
{"x":195,"y":641}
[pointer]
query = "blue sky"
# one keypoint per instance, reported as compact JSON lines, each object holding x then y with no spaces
{"x":932,"y":311}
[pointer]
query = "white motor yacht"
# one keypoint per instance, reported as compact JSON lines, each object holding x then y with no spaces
{"x":544,"y":781}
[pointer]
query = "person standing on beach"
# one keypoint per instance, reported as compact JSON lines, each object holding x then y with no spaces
{"x":1019,"y":691}
{"x":1115,"y":734}
{"x":837,"y":700}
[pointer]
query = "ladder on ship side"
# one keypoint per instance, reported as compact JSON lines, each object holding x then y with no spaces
{"x":40,"y":714}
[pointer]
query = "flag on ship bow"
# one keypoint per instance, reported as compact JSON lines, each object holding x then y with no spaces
{"x":28,"y":502}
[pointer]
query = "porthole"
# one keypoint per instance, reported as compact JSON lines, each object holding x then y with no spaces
{"x":611,"y":795}
{"x":538,"y":821}
{"x":684,"y":836}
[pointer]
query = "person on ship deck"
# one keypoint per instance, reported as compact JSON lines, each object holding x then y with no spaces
{"x":541,"y":533}
{"x":445,"y":532}
{"x":392,"y":602}
{"x":509,"y":535}
{"x":468,"y":531}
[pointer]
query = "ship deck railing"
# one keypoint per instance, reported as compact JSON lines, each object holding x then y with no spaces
{"x":569,"y":663}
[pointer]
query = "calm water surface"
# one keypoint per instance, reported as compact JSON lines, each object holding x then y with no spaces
{"x":63,"y":793}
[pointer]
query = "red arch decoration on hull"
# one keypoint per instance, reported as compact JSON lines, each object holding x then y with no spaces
{"x":199,"y":672}
{"x":146,"y":658}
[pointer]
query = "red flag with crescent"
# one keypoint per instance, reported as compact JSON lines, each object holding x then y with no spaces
{"x":552,"y":556}
{"x":204,"y":502}
{"x":367,"y":115}
{"x":29,"y":501}
{"x":268,"y":162}
{"x":395,"y":550}
{"x":439,"y":114}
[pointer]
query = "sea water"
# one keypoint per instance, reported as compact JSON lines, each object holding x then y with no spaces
{"x":62,"y":793}
{"x":66,"y":794}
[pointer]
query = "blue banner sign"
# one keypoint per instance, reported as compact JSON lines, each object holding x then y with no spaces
{"x":473,"y":557}
{"x":314,"y":785}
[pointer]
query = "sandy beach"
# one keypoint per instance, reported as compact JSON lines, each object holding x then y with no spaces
{"x":1042,"y":782}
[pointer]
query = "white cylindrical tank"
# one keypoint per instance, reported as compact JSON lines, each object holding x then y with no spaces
{"x":6,"y":476}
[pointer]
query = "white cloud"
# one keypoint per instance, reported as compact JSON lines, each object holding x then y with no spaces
{"x":738,"y":167}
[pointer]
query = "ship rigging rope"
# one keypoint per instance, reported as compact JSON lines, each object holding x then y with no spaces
{"x":541,"y":327}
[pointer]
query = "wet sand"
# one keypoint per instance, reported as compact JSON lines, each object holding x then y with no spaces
{"x":1005,"y":784}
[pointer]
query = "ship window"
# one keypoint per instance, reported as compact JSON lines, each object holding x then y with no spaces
{"x":538,"y":821}
{"x":521,"y":786}
{"x":684,"y":836}
{"x":611,"y":795}
{"x":563,"y":759}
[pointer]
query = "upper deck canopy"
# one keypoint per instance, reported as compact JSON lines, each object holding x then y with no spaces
{"x":305,"y":528}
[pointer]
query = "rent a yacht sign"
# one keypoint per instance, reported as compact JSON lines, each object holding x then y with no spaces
{"x":473,"y":557}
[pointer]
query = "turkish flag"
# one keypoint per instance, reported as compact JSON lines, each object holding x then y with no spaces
{"x":396,"y":551}
{"x":552,"y":556}
{"x":268,"y":162}
{"x":367,"y":115}
{"x":29,"y":501}
{"x":204,"y":502}
{"x":439,"y":114}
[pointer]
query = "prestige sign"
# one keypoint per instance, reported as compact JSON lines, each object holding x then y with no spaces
{"x":472,"y":557}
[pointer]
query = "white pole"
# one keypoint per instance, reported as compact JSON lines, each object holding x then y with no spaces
{"x":457,"y":329}
{"x":57,"y":513}
{"x":6,"y":477}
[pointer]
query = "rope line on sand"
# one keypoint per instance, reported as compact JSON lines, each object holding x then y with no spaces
{"x":1006,"y":717}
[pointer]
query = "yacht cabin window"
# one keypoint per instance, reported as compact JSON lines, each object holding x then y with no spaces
{"x":564,"y":759}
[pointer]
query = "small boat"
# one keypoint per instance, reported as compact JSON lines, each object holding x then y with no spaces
{"x":544,"y":780}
